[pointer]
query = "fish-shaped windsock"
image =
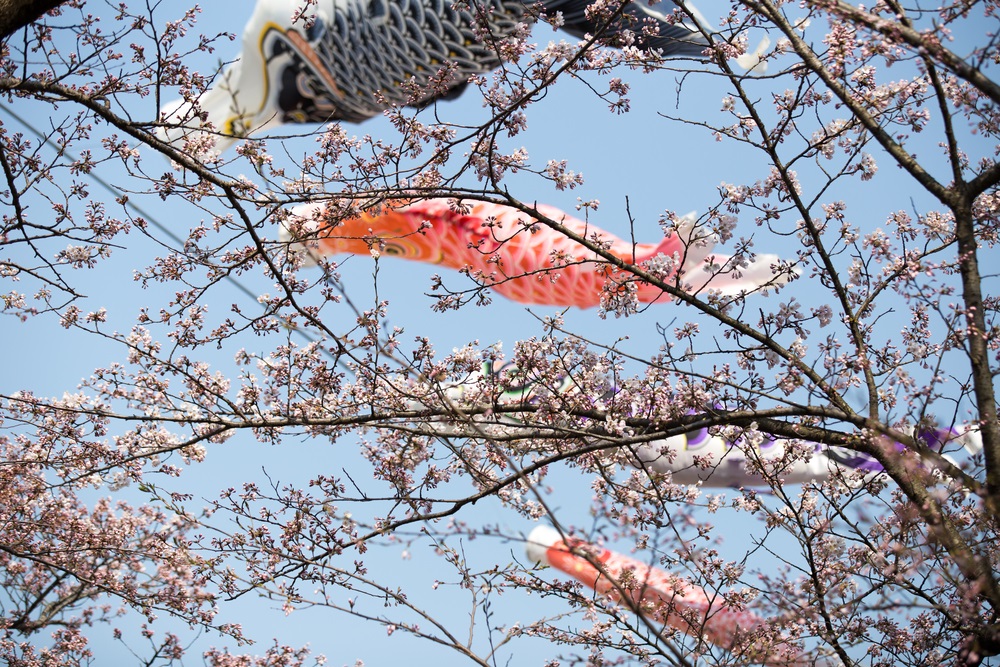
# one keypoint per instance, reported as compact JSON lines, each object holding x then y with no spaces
{"x":359,"y":57}
{"x":661,"y":597}
{"x":529,"y":262}
{"x":709,"y":460}
{"x":697,"y":457}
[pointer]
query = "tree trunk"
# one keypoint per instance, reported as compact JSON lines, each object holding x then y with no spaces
{"x":15,"y":14}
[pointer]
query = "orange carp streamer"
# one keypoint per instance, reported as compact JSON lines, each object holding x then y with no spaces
{"x":659,"y":596}
{"x":528,"y":261}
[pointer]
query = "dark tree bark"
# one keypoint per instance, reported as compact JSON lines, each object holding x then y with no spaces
{"x":15,"y":14}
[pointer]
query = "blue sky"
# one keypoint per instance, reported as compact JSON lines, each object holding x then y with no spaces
{"x":639,"y":157}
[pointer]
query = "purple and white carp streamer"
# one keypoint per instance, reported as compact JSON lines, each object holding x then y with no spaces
{"x":699,"y":457}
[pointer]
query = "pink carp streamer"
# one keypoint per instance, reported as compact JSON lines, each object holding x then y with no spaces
{"x":659,"y":596}
{"x":527,"y":261}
